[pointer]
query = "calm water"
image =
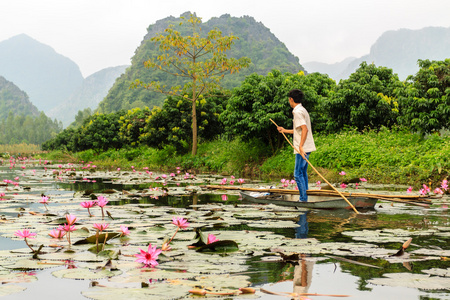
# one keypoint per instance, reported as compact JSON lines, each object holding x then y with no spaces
{"x":316,"y":274}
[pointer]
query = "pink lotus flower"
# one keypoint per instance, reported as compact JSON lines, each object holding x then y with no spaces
{"x":88,"y":205}
{"x":342,"y":173}
{"x":172,"y":174}
{"x":25,"y":234}
{"x":444,"y":184}
{"x":102,"y":201}
{"x":57,"y":233}
{"x":68,"y":228}
{"x":71,"y":219}
{"x":241,"y":180}
{"x":180,"y":222}
{"x":283,"y":180}
{"x":409,"y":190}
{"x":343,"y":185}
{"x":231,"y":182}
{"x":362,"y":179}
{"x":212,"y":238}
{"x":149,"y":257}
{"x":438,"y":191}
{"x":163,"y":176}
{"x":101,"y":226}
{"x":44,"y":200}
{"x":224,"y":197}
{"x":124,"y":230}
{"x":425,"y":190}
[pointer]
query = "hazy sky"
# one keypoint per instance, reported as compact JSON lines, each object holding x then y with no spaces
{"x":97,"y":34}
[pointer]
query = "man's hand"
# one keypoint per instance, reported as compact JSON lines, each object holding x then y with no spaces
{"x":280,"y":129}
{"x":302,"y":152}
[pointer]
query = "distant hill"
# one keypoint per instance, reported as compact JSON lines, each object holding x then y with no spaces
{"x":398,"y":50}
{"x":333,"y":70}
{"x":15,"y":100}
{"x":93,"y":89}
{"x":255,"y":41}
{"x":46,"y":76}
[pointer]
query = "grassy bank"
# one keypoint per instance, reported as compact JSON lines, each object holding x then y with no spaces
{"x":387,"y":156}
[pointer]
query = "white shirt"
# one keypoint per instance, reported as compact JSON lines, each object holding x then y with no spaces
{"x":301,"y":117}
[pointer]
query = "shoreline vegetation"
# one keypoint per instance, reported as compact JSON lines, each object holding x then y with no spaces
{"x":388,"y":156}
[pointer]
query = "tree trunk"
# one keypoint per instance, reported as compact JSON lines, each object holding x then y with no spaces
{"x":194,"y":128}
{"x":194,"y":119}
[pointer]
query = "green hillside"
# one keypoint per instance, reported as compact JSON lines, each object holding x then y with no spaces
{"x":255,"y":41}
{"x":20,"y":120}
{"x":15,"y":100}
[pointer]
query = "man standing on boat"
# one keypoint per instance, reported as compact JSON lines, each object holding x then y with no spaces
{"x":303,"y":140}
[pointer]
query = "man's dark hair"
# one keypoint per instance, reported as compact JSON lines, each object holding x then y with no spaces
{"x":296,"y":95}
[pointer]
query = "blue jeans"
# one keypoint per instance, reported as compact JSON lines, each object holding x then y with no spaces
{"x":301,"y":175}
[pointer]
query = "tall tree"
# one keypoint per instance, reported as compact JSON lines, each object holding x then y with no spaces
{"x":425,"y":100}
{"x":199,"y":58}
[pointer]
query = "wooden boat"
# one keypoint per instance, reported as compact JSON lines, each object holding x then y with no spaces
{"x":316,"y":202}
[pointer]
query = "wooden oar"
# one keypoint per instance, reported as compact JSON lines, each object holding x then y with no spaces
{"x":340,"y":194}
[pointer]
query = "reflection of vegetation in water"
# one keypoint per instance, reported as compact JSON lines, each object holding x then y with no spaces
{"x":365,"y":273}
{"x":259,"y":228}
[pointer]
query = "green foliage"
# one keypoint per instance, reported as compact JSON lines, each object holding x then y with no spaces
{"x":171,"y":125}
{"x":387,"y":155}
{"x":80,"y":117}
{"x":200,"y":60}
{"x":28,"y":129}
{"x":255,"y":42}
{"x":425,"y":100}
{"x":365,"y":100}
{"x":98,"y":132}
{"x":261,"y":98}
{"x":226,"y":156}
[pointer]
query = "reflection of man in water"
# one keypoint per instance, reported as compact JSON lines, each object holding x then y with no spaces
{"x":302,"y":271}
{"x":301,"y":232}
{"x":303,"y":275}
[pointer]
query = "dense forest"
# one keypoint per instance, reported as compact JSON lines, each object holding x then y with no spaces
{"x":17,"y":129}
{"x":371,"y":98}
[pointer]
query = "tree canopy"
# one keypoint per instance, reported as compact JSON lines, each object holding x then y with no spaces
{"x":199,"y":59}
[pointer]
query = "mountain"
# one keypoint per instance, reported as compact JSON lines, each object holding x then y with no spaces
{"x":15,"y":100}
{"x":93,"y":89}
{"x":333,"y":70}
{"x":255,"y":41}
{"x":398,"y":50}
{"x":46,"y":76}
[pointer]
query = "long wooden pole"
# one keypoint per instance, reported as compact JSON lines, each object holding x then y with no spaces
{"x":298,"y":150}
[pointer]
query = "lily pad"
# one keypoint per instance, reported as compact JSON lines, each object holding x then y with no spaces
{"x":9,"y":289}
{"x":418,"y":281}
{"x":85,"y":273}
{"x":159,"y":291}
